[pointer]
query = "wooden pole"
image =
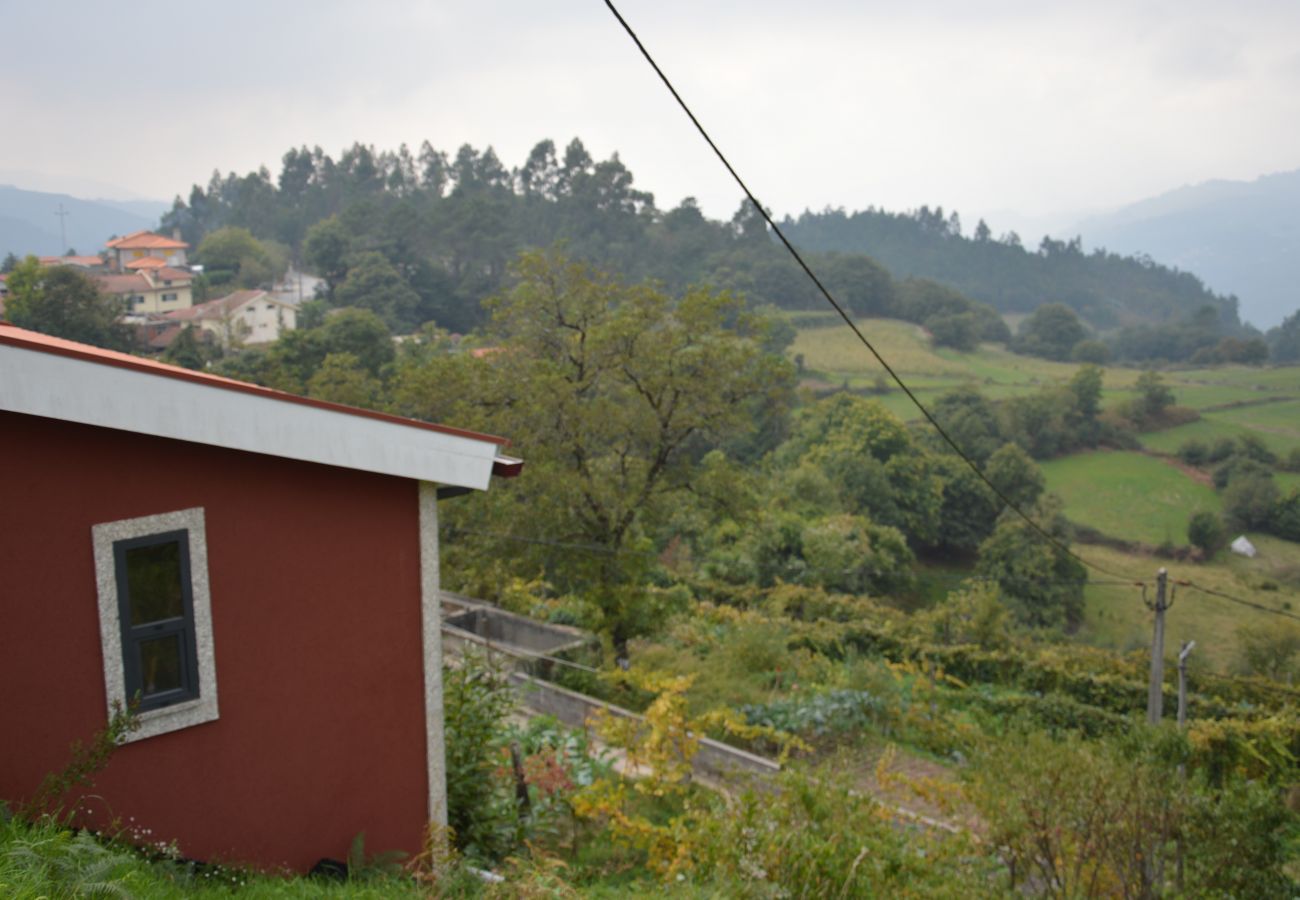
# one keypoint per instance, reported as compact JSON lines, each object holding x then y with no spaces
{"x":1155,"y":693}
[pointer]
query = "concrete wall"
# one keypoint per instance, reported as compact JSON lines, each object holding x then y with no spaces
{"x":714,"y":758}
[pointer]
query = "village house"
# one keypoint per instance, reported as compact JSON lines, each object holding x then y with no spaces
{"x":244,"y":317}
{"x":140,"y":245}
{"x":150,"y":289}
{"x":259,"y":571}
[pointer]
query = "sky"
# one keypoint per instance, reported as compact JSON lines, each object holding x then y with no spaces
{"x":1026,"y":112}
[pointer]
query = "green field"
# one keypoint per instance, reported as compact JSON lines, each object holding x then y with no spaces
{"x":1128,"y":495}
{"x":1276,"y":424}
{"x":832,"y":356}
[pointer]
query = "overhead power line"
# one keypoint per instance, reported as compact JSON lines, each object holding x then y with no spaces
{"x":1240,"y":601}
{"x":839,"y":309}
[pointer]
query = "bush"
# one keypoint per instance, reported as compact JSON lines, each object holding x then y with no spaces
{"x":481,"y":811}
{"x":1205,"y":530}
{"x":815,"y":835}
{"x":1194,"y":453}
{"x":1102,"y":818}
{"x":1221,"y":449}
{"x":1091,"y":351}
{"x":1268,"y":650}
{"x":1249,"y":501}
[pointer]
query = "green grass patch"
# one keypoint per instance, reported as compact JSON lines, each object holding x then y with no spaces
{"x":1128,"y":495}
{"x":1277,"y":424}
{"x":1287,"y":481}
{"x":1208,"y":430}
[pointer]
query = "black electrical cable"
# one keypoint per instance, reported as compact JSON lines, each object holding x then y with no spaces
{"x":1248,"y":603}
{"x":843,"y":315}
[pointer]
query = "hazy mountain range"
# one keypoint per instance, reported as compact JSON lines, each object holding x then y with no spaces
{"x":1239,"y":237}
{"x":29,"y":222}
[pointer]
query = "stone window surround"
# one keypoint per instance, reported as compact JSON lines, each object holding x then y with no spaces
{"x":179,"y":715}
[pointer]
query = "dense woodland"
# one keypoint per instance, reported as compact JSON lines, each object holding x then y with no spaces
{"x":438,"y":232}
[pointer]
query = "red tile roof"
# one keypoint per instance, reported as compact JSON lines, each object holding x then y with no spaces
{"x":222,"y":306}
{"x":14,"y":336}
{"x":146,"y":262}
{"x":146,"y":240}
{"x":124,"y":284}
{"x":86,"y":261}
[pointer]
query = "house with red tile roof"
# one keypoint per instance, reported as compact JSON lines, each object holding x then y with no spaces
{"x":244,"y":317}
{"x":150,"y":289}
{"x":256,"y":572}
{"x":144,"y":245}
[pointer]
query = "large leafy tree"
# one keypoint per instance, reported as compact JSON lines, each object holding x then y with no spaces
{"x":1039,"y":578}
{"x":1051,"y":331}
{"x":373,"y":283}
{"x":610,"y":392}
{"x":232,"y":256}
{"x":61,"y":301}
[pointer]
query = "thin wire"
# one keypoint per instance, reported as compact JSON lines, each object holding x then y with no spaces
{"x":843,"y":315}
{"x":1249,"y":603}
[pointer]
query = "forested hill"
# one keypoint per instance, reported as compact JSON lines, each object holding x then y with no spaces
{"x":1105,"y":288}
{"x":431,"y":234}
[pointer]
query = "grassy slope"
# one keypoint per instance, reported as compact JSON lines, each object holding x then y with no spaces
{"x":1107,"y":490}
{"x":1129,"y":495}
{"x":1116,"y":617}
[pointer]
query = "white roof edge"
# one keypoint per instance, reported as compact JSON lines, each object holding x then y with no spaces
{"x":111,"y":396}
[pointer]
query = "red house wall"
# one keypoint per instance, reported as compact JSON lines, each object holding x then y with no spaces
{"x":315,"y":592}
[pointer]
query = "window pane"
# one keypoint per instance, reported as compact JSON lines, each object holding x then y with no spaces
{"x":153,"y":576}
{"x":160,"y":665}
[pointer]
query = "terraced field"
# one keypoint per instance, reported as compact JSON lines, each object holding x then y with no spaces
{"x":1129,"y":495}
{"x":832,"y":357}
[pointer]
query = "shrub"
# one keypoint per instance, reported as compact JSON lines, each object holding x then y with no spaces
{"x":1102,"y":818}
{"x":481,"y":811}
{"x":1091,"y":351}
{"x":1249,"y":501}
{"x":1221,"y":449}
{"x":1268,"y":650}
{"x":1205,"y":530}
{"x":814,"y":835}
{"x":1194,"y":453}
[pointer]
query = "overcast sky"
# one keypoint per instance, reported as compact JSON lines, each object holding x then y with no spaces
{"x":1025,"y":106}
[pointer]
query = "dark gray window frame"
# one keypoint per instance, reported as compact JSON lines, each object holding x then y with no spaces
{"x":181,"y":627}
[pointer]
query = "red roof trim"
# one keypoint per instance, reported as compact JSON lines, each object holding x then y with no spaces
{"x":31,"y":340}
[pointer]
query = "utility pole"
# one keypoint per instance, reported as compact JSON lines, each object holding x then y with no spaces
{"x":63,"y":228}
{"x":1155,"y":695}
{"x":1188,"y":646}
